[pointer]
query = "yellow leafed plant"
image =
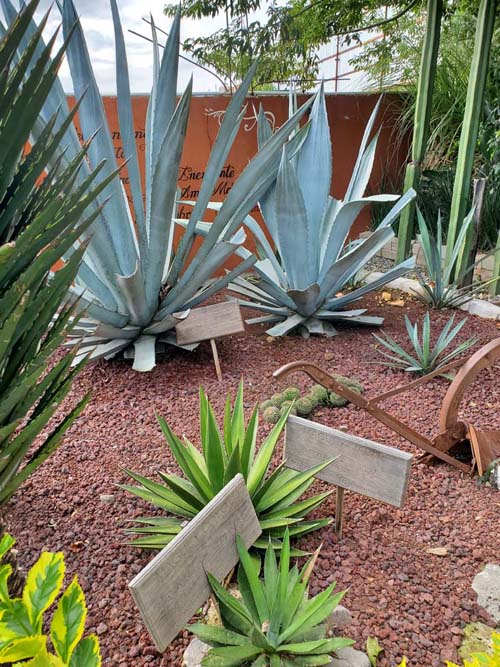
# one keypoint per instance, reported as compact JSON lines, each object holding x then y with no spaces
{"x":22,"y":642}
{"x":484,"y":659}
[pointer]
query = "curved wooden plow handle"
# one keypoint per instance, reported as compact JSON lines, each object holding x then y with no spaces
{"x":484,"y":357}
{"x":325,"y":379}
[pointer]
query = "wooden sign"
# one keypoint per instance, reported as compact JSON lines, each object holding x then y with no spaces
{"x":173,"y":586}
{"x":362,"y":466}
{"x":209,"y":322}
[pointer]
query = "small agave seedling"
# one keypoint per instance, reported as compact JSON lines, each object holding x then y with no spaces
{"x":22,"y":636}
{"x":442,"y":286}
{"x":275,"y":496}
{"x":276,"y":623}
{"x":132,"y":284}
{"x":301,"y":283}
{"x":426,"y":357}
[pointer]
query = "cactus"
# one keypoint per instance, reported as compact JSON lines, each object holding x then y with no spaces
{"x":291,"y":393}
{"x":272,"y":414}
{"x":277,"y":400}
{"x":350,"y":383}
{"x":284,"y":408}
{"x":472,"y":117}
{"x":266,"y":404}
{"x":314,"y":401}
{"x":336,"y":401}
{"x":304,"y":406}
{"x":319,"y":393}
{"x":423,"y":107}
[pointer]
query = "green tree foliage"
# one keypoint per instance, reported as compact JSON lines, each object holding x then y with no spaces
{"x":285,"y":39}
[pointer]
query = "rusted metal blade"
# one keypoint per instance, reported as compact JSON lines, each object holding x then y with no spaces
{"x":485,"y":446}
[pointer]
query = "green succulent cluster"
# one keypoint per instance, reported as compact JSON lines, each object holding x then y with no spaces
{"x":290,"y":398}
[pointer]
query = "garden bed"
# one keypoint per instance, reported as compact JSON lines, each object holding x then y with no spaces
{"x":416,"y":603}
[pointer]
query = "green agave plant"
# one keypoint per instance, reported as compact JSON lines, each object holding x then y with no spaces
{"x":22,"y":638}
{"x":443,"y":285}
{"x":275,"y":496}
{"x":300,"y":281}
{"x":132,"y":284}
{"x":276,"y":623}
{"x":426,"y":357}
{"x":39,"y":223}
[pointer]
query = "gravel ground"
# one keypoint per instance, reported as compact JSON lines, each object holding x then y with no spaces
{"x":416,"y":603}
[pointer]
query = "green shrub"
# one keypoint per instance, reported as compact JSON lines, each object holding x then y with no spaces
{"x":22,"y":635}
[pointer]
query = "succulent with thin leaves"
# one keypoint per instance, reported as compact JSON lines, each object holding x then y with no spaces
{"x":300,"y":282}
{"x":442,"y":282}
{"x":275,"y":496}
{"x":426,"y":357}
{"x":132,"y":284}
{"x":22,"y":638}
{"x":275,"y":623}
{"x":38,"y":225}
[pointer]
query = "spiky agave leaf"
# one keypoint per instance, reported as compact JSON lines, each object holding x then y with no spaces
{"x":132,"y":285}
{"x":442,"y":280}
{"x":275,"y":622}
{"x":276,"y":496}
{"x":302,"y":284}
{"x":39,"y":224}
{"x":425,"y":357}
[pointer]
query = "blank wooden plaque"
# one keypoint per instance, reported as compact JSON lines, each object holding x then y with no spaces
{"x":173,"y":586}
{"x":363,"y":466}
{"x":214,"y":321}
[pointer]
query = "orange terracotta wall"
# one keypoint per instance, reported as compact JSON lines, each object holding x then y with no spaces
{"x":348,"y":115}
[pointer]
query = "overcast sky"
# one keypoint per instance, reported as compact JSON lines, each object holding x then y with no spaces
{"x":96,"y":20}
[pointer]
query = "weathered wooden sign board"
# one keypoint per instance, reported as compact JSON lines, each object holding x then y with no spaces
{"x":208,"y":323}
{"x":362,"y":466}
{"x":173,"y":586}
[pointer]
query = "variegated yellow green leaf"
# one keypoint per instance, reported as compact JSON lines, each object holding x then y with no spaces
{"x":42,"y":659}
{"x":68,"y":621}
{"x":43,"y":583}
{"x":23,"y":648}
{"x":15,"y":622}
{"x":6,"y":543}
{"x":5,"y":572}
{"x":86,"y":653}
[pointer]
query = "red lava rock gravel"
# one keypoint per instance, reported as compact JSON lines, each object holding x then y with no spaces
{"x":416,"y":603}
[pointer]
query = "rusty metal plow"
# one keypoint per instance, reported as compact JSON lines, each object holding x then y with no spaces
{"x":485,"y":445}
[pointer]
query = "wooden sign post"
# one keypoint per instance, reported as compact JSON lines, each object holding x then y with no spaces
{"x":208,"y":323}
{"x":174,"y":585}
{"x":362,"y":466}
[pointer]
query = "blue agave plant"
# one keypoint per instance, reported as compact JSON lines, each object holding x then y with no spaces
{"x":132,"y":284}
{"x":312,"y":260}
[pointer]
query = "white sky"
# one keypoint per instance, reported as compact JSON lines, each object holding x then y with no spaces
{"x":95,"y":16}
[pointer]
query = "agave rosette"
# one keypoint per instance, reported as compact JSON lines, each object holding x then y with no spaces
{"x":276,"y":495}
{"x":276,"y":623}
{"x":133,"y":285}
{"x":303,"y":281}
